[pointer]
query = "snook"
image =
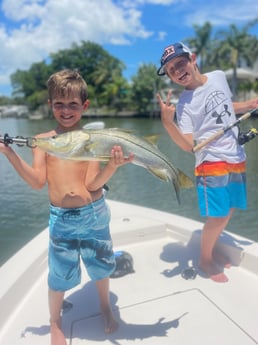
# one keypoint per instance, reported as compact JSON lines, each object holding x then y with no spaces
{"x":96,"y":145}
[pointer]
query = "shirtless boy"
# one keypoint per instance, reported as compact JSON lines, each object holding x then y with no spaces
{"x":79,"y":217}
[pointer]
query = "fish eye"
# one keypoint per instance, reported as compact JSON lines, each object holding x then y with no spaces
{"x":54,"y":136}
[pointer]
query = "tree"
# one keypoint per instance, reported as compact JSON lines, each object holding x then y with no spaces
{"x":145,"y":85}
{"x":97,"y":66}
{"x":201,"y":44}
{"x":235,"y":48}
{"x":28,"y":85}
{"x":108,"y":80}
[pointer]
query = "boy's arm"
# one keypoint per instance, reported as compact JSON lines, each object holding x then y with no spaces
{"x":167,"y":112}
{"x":96,"y":177}
{"x":243,"y":107}
{"x":34,"y":175}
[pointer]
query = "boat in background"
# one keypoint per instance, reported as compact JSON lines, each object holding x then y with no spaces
{"x":164,"y":301}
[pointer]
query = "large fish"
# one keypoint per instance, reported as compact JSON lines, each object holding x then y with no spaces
{"x":94,"y":144}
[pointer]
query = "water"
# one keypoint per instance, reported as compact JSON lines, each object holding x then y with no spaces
{"x":24,"y":212}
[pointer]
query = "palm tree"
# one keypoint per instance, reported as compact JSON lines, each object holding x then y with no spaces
{"x":201,"y":44}
{"x":108,"y":78}
{"x":236,"y":47}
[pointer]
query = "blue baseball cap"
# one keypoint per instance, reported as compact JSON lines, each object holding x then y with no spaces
{"x":170,"y":52}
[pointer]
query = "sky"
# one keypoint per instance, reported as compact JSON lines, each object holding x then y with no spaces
{"x":134,"y":31}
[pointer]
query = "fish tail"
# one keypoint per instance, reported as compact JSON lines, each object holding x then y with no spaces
{"x":182,"y":181}
{"x":177,"y":190}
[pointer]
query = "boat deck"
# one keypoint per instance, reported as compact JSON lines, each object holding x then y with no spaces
{"x":154,"y":305}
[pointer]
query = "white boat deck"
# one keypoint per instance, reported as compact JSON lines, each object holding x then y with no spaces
{"x":155,"y":305}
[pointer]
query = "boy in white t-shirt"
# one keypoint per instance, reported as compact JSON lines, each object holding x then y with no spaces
{"x":204,"y":107}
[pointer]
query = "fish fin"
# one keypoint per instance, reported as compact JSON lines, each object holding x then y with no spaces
{"x":161,"y":174}
{"x":93,"y":157}
{"x":90,"y":148}
{"x":152,"y":139}
{"x":184,"y":180}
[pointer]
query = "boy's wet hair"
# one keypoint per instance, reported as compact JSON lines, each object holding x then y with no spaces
{"x":65,"y":84}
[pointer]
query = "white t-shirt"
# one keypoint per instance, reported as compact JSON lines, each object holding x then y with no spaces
{"x":206,"y":110}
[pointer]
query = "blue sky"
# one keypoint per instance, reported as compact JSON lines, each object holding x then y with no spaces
{"x":134,"y":31}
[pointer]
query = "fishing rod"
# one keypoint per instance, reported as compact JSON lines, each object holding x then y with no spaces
{"x":245,"y":137}
{"x":18,"y":140}
{"x":223,"y":131}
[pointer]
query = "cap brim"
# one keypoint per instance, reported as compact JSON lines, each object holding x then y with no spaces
{"x":161,"y":71}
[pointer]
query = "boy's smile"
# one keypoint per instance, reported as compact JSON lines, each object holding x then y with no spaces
{"x":68,"y":112}
{"x":182,"y":71}
{"x":177,"y":69}
{"x":177,"y":64}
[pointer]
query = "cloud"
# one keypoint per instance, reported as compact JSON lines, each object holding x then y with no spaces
{"x":32,"y":29}
{"x":162,"y":35}
{"x":236,"y":11}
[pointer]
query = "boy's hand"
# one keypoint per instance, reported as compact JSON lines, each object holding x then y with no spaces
{"x":167,"y":109}
{"x":117,"y":157}
{"x":4,"y":148}
{"x":253,"y":103}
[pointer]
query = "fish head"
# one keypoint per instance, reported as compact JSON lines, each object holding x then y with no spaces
{"x":63,"y":144}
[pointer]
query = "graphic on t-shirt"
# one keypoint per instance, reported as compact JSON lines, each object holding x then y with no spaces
{"x":215,"y":99}
{"x":223,"y":113}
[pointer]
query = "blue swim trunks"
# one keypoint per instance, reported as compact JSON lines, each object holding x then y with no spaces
{"x":220,"y":187}
{"x":79,"y":233}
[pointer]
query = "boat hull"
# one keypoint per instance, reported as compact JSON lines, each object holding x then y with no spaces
{"x":155,"y":304}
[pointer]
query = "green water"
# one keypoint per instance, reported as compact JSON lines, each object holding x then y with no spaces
{"x":24,"y":212}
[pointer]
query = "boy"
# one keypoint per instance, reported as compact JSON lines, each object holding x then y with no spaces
{"x":205,"y":107}
{"x":79,"y":218}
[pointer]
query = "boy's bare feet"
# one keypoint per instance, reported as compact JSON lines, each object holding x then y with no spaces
{"x":57,"y":336}
{"x":111,"y":325}
{"x":222,"y":260}
{"x":213,"y":272}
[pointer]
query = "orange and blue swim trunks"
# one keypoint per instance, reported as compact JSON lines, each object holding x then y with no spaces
{"x":220,"y":187}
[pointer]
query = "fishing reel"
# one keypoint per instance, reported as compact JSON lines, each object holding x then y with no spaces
{"x":19,"y":141}
{"x":245,"y":137}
